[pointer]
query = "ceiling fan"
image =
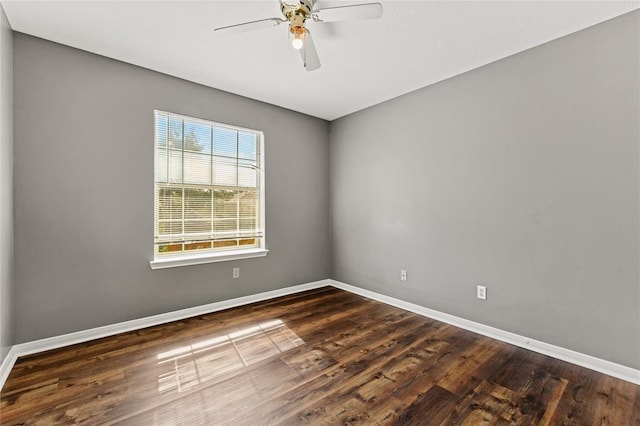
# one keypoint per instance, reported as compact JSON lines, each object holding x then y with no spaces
{"x":296,"y":13}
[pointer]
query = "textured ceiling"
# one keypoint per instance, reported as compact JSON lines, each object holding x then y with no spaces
{"x":415,"y":44}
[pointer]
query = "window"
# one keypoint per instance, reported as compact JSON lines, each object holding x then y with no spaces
{"x":209,"y":191}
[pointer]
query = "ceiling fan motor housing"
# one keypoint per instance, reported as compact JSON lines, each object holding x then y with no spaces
{"x":296,"y":8}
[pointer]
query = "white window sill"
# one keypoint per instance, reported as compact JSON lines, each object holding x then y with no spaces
{"x":199,"y":259}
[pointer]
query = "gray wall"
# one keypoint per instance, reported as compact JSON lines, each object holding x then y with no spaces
{"x":84,"y":193}
{"x":6,"y":185}
{"x":522,"y":175}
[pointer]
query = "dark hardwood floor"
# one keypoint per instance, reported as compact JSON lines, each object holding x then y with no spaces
{"x":320,"y":357}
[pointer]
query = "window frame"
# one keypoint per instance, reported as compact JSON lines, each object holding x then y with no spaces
{"x":170,"y":260}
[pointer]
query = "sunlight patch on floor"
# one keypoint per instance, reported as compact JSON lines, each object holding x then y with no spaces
{"x":187,"y":366}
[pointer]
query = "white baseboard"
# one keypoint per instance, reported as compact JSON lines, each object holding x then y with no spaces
{"x":587,"y":361}
{"x":607,"y":367}
{"x":56,"y":342}
{"x":7,"y":365}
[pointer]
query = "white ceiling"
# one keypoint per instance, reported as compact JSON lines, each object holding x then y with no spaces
{"x":415,"y":44}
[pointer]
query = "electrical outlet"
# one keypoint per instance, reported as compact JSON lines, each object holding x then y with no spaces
{"x":403,"y":275}
{"x":482,"y":292}
{"x":236,"y":273}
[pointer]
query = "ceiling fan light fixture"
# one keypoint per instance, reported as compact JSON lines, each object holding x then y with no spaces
{"x":298,"y":33}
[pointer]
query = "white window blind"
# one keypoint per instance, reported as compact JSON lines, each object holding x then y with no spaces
{"x":208,"y":186}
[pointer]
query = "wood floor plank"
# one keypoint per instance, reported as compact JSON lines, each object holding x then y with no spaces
{"x":470,"y":368}
{"x":437,"y":402}
{"x":324,"y":356}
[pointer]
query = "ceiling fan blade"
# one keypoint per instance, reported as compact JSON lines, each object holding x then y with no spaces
{"x":250,"y":26}
{"x":346,"y":13}
{"x":309,"y":54}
